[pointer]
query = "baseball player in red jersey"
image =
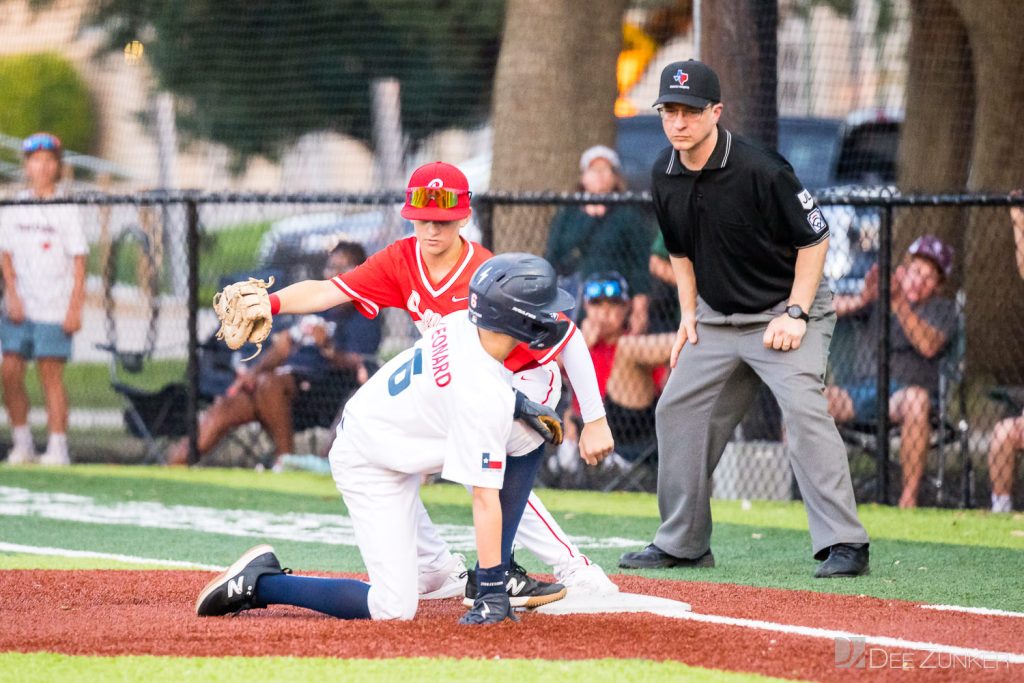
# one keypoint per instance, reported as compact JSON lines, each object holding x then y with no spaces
{"x":428,"y":275}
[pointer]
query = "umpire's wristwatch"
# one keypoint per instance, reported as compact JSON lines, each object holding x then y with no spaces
{"x":794,"y":311}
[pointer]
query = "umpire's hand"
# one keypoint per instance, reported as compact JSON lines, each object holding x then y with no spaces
{"x":687,"y":333}
{"x":784,"y":333}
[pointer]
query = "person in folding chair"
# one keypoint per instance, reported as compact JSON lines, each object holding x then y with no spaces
{"x":1008,"y":435}
{"x":923,"y":323}
{"x":630,"y":369}
{"x":303,"y":379}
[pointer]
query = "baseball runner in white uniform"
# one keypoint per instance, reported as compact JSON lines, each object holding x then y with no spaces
{"x":428,"y":276}
{"x":445,"y":405}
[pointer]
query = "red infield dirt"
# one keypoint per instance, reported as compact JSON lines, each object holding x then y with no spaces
{"x":151,"y":612}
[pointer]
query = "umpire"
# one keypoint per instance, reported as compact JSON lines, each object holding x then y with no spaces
{"x":747,"y":245}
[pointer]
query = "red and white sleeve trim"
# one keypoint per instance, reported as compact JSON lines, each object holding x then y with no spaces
{"x":363,"y":305}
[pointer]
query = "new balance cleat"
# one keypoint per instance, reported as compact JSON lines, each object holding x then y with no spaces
{"x":523,"y":590}
{"x":234,"y":590}
{"x":492,"y":608}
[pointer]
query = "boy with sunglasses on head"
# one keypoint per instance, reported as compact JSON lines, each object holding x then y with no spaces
{"x":428,"y":275}
{"x":43,"y":252}
{"x":630,"y":367}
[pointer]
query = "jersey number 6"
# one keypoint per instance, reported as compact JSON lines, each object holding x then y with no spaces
{"x":402,"y":377}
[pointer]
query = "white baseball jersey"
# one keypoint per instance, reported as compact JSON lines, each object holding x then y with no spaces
{"x":43,"y":241}
{"x":444,"y":405}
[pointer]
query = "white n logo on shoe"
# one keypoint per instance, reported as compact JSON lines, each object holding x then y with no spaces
{"x":235,"y":586}
{"x":485,"y":611}
{"x":514,"y":586}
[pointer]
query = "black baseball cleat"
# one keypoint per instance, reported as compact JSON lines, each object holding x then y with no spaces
{"x":492,"y":608}
{"x":523,"y":590}
{"x":844,"y":560}
{"x":653,"y":557}
{"x":233,"y":591}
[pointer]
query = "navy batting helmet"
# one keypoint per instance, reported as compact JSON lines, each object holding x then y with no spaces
{"x":517,"y":294}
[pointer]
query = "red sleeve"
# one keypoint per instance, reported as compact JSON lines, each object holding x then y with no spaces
{"x":523,"y":357}
{"x":373,"y":285}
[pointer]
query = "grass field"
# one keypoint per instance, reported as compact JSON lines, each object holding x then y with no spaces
{"x":965,"y":558}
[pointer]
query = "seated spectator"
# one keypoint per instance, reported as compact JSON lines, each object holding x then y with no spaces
{"x":315,"y":365}
{"x":594,"y":238}
{"x":630,"y":368}
{"x":922,"y":325}
{"x":1008,"y":436}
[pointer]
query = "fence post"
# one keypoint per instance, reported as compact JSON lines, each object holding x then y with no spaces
{"x":885,"y":311}
{"x":485,"y":219}
{"x":192,"y":255}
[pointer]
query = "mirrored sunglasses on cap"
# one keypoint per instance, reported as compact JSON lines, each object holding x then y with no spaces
{"x":443,"y":197}
{"x":604,"y":289}
{"x":41,"y":141}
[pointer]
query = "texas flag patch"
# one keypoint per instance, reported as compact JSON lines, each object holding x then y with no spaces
{"x":488,"y":464}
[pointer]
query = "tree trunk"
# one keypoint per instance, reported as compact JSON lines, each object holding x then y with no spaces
{"x":936,"y":136}
{"x":994,"y":289}
{"x":739,"y":41}
{"x":554,"y":96}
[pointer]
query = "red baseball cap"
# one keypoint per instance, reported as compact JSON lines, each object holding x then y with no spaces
{"x":437,"y":192}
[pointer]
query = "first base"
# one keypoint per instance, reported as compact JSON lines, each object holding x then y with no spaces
{"x":575,"y":603}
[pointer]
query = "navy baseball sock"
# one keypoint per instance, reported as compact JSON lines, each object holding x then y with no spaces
{"x":491,"y":580}
{"x":519,"y":475}
{"x":341,"y":598}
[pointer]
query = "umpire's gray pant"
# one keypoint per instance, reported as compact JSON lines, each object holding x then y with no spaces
{"x":707,"y":395}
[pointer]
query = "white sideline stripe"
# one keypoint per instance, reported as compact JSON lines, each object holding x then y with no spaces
{"x":882,"y":641}
{"x":305,"y":527}
{"x":127,"y":559}
{"x":985,"y":611}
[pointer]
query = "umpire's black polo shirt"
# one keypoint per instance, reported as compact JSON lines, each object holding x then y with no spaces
{"x":741,"y":220}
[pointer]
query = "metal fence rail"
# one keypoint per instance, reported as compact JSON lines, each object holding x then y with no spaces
{"x":157,"y":257}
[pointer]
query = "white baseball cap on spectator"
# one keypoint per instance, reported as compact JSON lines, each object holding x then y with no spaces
{"x":600,"y":152}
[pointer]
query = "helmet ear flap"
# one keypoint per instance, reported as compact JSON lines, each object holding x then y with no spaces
{"x":550,"y":334}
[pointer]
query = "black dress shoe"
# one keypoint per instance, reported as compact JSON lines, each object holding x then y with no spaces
{"x":653,"y":557}
{"x":844,"y":559}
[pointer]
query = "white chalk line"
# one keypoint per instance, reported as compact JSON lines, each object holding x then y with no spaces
{"x":881,"y":641}
{"x":127,"y":559}
{"x":326,"y":528}
{"x":984,"y":611}
{"x":786,"y":629}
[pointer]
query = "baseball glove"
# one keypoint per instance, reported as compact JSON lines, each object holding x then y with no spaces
{"x":539,"y":417}
{"x":244,"y":312}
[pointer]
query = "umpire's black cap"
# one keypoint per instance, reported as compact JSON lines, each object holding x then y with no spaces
{"x":691,"y":83}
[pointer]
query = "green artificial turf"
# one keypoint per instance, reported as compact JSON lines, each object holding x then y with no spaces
{"x":17,"y":668}
{"x":936,"y":556}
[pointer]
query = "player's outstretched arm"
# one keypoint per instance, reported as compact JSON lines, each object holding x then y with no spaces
{"x":310,"y":296}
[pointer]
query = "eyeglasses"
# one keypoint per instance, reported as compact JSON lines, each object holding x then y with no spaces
{"x":687,"y":113}
{"x":443,"y":198}
{"x":40,"y":141}
{"x":604,"y":289}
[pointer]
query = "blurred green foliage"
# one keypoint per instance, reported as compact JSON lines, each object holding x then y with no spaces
{"x":255,"y":75}
{"x":43,"y":92}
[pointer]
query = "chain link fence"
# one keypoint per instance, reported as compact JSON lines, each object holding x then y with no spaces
{"x":145,"y":363}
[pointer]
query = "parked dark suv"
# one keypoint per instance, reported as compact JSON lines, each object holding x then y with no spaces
{"x":824,"y":152}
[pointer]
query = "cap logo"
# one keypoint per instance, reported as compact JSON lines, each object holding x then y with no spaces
{"x":436,"y":183}
{"x":681,"y":77}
